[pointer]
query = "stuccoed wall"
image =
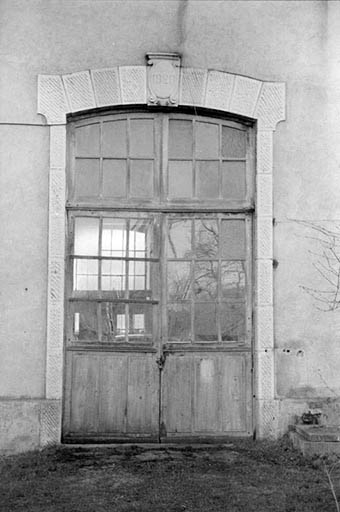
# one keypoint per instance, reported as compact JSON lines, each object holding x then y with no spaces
{"x":293,"y":42}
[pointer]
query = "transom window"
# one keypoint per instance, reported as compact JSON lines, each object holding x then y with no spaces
{"x":159,"y":230}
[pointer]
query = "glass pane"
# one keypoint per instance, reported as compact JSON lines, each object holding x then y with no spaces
{"x":140,"y":321}
{"x":87,"y":140}
{"x":114,"y":237}
{"x":140,"y":238}
{"x":114,"y":139}
{"x":114,"y":178}
{"x":206,"y":238}
{"x":179,"y":238}
{"x":232,"y":319}
{"x":179,"y":280}
{"x":113,"y":322}
{"x":205,"y":322}
{"x":87,"y":177}
{"x":86,"y":236}
{"x":141,"y":138}
{"x":233,"y":239}
{"x":84,"y":321}
{"x":113,"y":277}
{"x":180,"y":139}
{"x":233,"y":180}
{"x":85,"y":274}
{"x":233,"y":280}
{"x":206,"y":140}
{"x":180,"y":179}
{"x":179,"y":322}
{"x":139,"y":275}
{"x":205,"y":280}
{"x":207,"y":185}
{"x":233,"y":143}
{"x":141,"y":178}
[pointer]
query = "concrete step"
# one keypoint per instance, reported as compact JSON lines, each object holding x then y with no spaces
{"x":316,"y":439}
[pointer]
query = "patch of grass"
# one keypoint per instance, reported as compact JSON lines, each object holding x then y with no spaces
{"x":245,"y":476}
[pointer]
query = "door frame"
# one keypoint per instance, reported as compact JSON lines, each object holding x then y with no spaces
{"x":219,"y":92}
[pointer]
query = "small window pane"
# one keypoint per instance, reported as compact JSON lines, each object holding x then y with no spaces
{"x":86,"y":236}
{"x":85,"y":321}
{"x":139,"y":275}
{"x":113,"y":322}
{"x":233,"y":239}
{"x":114,"y":178}
{"x":140,"y":321}
{"x":113,"y":277}
{"x":179,"y":238}
{"x":179,"y":322}
{"x":232,"y":280}
{"x":85,"y":274}
{"x":141,"y":177}
{"x":232,"y":318}
{"x":179,"y":280}
{"x":206,"y":238}
{"x":114,"y":139}
{"x":207,"y":140}
{"x":87,"y":177}
{"x":233,"y":143}
{"x":205,"y":280}
{"x":140,"y":238}
{"x":141,"y":138}
{"x":233,"y":180}
{"x":180,"y":179}
{"x":205,"y":322}
{"x":207,"y":179}
{"x":87,"y":140}
{"x":114,"y":237}
{"x":180,"y":139}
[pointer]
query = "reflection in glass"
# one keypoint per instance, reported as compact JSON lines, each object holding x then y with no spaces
{"x":87,"y":177}
{"x":232,"y":318}
{"x":85,"y":274}
{"x":139,"y":275}
{"x":113,"y":276}
{"x":140,"y":321}
{"x":205,"y":321}
{"x":114,"y":139}
{"x":113,"y":322}
{"x":141,"y":178}
{"x":205,"y":281}
{"x":114,"y":178}
{"x":232,"y":280}
{"x":179,"y":321}
{"x":114,"y":237}
{"x":179,"y":238}
{"x":141,"y":138}
{"x":87,"y":140}
{"x":85,"y":321}
{"x":179,"y":280}
{"x":140,"y":239}
{"x":86,"y":236}
{"x":206,"y":238}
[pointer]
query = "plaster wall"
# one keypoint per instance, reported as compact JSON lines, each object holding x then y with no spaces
{"x":293,"y":42}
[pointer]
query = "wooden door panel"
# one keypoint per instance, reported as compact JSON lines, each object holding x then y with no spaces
{"x":206,"y":394}
{"x":142,"y":395}
{"x":111,"y":394}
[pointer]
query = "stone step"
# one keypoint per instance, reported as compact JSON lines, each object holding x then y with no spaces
{"x":316,"y":439}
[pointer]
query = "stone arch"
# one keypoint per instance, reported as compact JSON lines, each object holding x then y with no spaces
{"x":264,"y":102}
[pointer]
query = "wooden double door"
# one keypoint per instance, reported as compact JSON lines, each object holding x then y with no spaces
{"x":158,"y":343}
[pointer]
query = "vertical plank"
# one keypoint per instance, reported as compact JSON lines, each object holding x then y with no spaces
{"x":84,"y":413}
{"x":142,"y":395}
{"x":112,"y":393}
{"x":176,"y":394}
{"x":234,"y":382}
{"x":207,"y":394}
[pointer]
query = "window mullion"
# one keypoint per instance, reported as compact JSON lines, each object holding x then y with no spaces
{"x":127,"y":272}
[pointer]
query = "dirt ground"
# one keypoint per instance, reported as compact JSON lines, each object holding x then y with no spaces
{"x":240,"y":476}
